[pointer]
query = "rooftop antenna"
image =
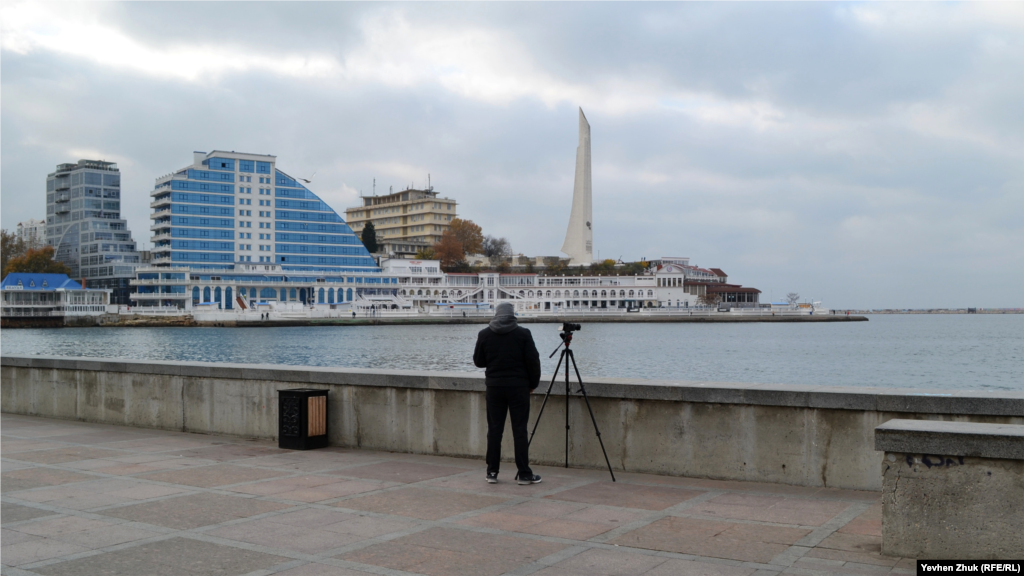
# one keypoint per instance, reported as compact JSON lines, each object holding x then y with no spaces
{"x":374,"y":186}
{"x":429,"y":187}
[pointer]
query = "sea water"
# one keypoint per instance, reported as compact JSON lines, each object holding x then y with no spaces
{"x":980,"y":352}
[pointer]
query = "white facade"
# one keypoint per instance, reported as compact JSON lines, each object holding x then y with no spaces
{"x":579,"y":238}
{"x":421,"y":285}
{"x":32,"y":232}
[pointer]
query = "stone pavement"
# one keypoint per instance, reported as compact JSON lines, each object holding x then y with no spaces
{"x":84,"y":499}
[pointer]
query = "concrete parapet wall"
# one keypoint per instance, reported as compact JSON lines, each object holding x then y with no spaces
{"x":952,"y":490}
{"x":802,"y":435}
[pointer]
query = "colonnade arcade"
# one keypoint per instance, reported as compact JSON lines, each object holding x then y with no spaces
{"x":224,"y":298}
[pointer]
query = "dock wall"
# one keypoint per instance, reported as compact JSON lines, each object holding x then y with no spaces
{"x":800,"y":435}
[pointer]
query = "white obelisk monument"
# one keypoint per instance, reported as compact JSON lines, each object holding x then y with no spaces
{"x":579,"y":238}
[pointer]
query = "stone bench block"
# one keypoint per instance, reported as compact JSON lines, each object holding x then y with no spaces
{"x":952,"y":490}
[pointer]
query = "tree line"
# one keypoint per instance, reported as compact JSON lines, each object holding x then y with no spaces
{"x":16,"y":256}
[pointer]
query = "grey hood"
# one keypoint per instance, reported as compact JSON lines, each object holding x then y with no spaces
{"x":504,"y":320}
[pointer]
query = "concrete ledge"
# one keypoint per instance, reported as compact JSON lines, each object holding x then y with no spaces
{"x":801,"y":435}
{"x":1001,"y":441}
{"x":952,"y":490}
{"x":960,"y":402}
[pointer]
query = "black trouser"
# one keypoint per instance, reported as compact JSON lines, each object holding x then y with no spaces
{"x":514,"y":401}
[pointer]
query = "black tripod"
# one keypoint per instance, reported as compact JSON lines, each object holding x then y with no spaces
{"x":567,"y":356}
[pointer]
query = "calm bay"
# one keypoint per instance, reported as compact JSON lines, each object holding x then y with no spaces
{"x":979,"y":352}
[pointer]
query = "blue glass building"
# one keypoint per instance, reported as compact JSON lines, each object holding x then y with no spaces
{"x":232,"y":229}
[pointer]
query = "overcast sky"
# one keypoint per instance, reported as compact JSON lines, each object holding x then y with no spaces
{"x":868,"y":155}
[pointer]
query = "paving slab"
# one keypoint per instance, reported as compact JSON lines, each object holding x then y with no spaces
{"x":80,"y":498}
{"x":10,"y":513}
{"x":176,"y":556}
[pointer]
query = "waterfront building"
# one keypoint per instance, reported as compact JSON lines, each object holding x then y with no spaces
{"x":410,"y":217}
{"x":421,"y":285}
{"x":47,"y":299}
{"x":309,"y":261}
{"x":232,"y":230}
{"x":579,"y":237}
{"x":85,"y":228}
{"x":683,"y":285}
{"x":32,"y":232}
{"x":401,"y":248}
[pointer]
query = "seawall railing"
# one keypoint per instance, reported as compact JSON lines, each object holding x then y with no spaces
{"x":801,"y":435}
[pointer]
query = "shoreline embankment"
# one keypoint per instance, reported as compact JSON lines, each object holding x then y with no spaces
{"x":129,"y":321}
{"x":817,"y":436}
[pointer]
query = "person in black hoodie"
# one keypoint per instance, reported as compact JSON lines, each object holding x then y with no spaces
{"x":513,"y":372}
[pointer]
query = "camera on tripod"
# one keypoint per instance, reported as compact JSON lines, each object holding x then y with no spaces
{"x":567,"y":358}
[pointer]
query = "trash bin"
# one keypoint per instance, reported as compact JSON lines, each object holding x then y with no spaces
{"x":301,"y":418}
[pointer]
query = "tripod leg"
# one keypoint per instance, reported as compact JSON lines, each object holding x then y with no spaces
{"x":591,"y":410}
{"x":546,"y":395}
{"x":569,"y":354}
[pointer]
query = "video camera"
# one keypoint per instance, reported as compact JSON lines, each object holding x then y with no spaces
{"x":570,"y":327}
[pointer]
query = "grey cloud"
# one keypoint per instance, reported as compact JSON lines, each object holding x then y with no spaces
{"x":839,"y":198}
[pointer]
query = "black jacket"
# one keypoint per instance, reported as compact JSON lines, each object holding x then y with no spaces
{"x":511,"y":358}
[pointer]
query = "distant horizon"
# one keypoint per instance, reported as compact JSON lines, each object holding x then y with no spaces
{"x":868,"y":154}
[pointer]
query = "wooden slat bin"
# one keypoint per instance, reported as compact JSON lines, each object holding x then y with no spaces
{"x":301,"y":418}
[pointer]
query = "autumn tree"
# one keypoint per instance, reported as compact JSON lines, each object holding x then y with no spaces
{"x":36,"y":261}
{"x":425,"y":253}
{"x":369,"y":237}
{"x":710,"y":298}
{"x":10,"y":247}
{"x":603,"y":267}
{"x":449,"y":251}
{"x":468,"y":234}
{"x":554,"y":268}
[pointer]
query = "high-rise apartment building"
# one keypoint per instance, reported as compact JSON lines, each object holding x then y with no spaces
{"x":417,"y":216}
{"x":84,"y":225}
{"x":32,"y":232}
{"x":231,"y":210}
{"x":232,"y":232}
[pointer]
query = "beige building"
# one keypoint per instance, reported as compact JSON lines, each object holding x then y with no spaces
{"x":412,"y":216}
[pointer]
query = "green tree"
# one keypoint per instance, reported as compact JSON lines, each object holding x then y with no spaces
{"x":369,"y":238}
{"x":38,"y":261}
{"x":426,"y":253}
{"x":10,"y":247}
{"x":634,"y":269}
{"x":554,"y":268}
{"x":603,"y":267}
{"x":499,"y":248}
